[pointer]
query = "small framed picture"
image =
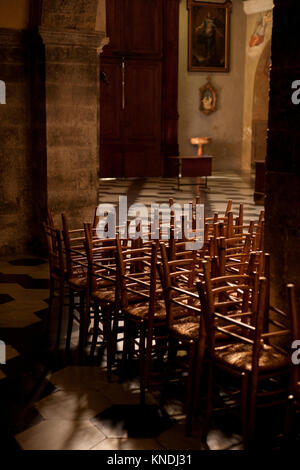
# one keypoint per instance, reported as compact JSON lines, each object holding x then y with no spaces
{"x":209,"y":28}
{"x":208,"y":98}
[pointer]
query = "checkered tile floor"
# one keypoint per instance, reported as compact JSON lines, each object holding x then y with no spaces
{"x":54,"y":404}
{"x":221,"y":188}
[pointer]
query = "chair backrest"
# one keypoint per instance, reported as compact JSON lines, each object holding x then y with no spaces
{"x":136,"y":273}
{"x":177,"y":279}
{"x":233,"y":295}
{"x":245,"y":326}
{"x":258,"y":234}
{"x":101,"y":259}
{"x":74,"y":241}
{"x":233,"y":254}
{"x":55,"y":250}
{"x":50,"y":221}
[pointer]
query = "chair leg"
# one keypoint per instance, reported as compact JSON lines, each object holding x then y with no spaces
{"x":96,"y":330}
{"x":51,"y":294}
{"x":70,"y":320}
{"x":60,"y":310}
{"x":147,"y":359}
{"x":198,"y":373}
{"x":189,"y":401}
{"x":108,"y":339}
{"x":50,"y":309}
{"x":126,"y":348}
{"x":209,"y":405}
{"x":115,"y":317}
{"x":251,"y":415}
{"x":142,"y":351}
{"x":172,"y":350}
{"x":244,"y":408}
{"x":289,"y":424}
{"x":83,"y":327}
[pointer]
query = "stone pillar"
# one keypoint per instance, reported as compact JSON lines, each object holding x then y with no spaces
{"x":256,"y":6}
{"x":72,"y":121}
{"x":282,"y":232}
{"x":15,"y":144}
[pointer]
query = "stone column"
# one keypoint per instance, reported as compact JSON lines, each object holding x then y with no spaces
{"x":72,"y":121}
{"x":282,"y":233}
{"x":257,"y":6}
{"x":15,"y":144}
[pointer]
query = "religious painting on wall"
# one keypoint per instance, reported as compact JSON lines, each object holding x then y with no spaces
{"x":258,"y":35}
{"x":208,"y":98}
{"x":209,"y":28}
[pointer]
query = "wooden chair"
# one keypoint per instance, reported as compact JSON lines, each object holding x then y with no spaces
{"x":145,"y":318}
{"x":102,"y":296}
{"x":249,"y":354}
{"x":183,"y":319}
{"x":233,"y":254}
{"x":76,"y":264}
{"x":57,"y":273}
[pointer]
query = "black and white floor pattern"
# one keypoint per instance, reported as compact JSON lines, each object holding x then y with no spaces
{"x":221,"y":187}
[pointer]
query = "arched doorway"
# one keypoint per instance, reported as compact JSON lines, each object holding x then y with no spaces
{"x":260,"y":108}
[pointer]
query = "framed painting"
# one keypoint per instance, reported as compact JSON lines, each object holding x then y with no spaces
{"x":208,"y":43}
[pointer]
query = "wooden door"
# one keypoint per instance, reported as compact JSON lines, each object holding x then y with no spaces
{"x":142,"y":118}
{"x":132,"y":112}
{"x":143,"y":20}
{"x":111,"y":130}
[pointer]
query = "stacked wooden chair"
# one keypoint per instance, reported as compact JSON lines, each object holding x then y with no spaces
{"x":57,"y":272}
{"x":248,"y":350}
{"x":76,"y":279}
{"x":159,"y":297}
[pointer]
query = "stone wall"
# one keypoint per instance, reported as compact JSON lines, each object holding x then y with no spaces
{"x":15,"y":148}
{"x":49,"y":128}
{"x":70,"y":14}
{"x":225,"y":125}
{"x":72,"y":127}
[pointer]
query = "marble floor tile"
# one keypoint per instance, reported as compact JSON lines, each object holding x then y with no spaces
{"x":176,"y":439}
{"x":119,"y":393}
{"x":132,"y":421}
{"x":11,"y":353}
{"x":128,"y":444}
{"x":79,"y":378}
{"x":58,"y":434}
{"x":73,"y":405}
{"x":218,"y":440}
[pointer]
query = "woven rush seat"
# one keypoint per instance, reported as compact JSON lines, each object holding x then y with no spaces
{"x":107,"y":294}
{"x":104,"y":295}
{"x":186,"y":327}
{"x":141,"y":310}
{"x":78,"y":282}
{"x":240,"y":355}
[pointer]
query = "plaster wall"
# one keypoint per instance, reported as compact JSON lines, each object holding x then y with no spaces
{"x":225,"y":125}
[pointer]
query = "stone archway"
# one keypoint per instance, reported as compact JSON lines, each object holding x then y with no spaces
{"x":260,"y":106}
{"x":254,"y":10}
